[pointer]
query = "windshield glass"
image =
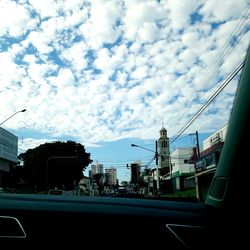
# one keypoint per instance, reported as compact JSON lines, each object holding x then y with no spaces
{"x":117,"y":98}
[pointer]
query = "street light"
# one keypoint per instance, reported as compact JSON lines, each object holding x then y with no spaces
{"x":12,"y":116}
{"x":134,"y":145}
{"x":156,"y":161}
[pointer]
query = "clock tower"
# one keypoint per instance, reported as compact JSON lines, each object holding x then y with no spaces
{"x":163,"y":146}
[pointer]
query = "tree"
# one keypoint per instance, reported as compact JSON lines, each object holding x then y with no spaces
{"x":54,"y":164}
{"x":101,"y":180}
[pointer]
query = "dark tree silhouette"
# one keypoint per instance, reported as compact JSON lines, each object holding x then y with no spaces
{"x":54,"y":164}
{"x":101,"y":180}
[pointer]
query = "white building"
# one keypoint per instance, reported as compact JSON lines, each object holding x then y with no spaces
{"x":181,"y":169}
{"x":96,"y":169}
{"x":112,"y":176}
{"x":179,"y":162}
{"x":8,"y":152}
{"x":218,"y":136}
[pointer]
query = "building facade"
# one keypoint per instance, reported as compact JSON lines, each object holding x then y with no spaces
{"x":135,"y":173}
{"x":96,"y":169}
{"x":8,"y":152}
{"x":112,"y":176}
{"x":181,"y":169}
{"x":218,"y":136}
{"x":206,"y":165}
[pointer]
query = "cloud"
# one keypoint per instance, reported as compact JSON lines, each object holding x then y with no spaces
{"x":149,"y":32}
{"x":39,"y":41}
{"x":140,"y":18}
{"x":106,"y":70}
{"x":76,"y":56}
{"x":215,"y":11}
{"x":15,"y":19}
{"x":46,"y":8}
{"x":29,"y":143}
{"x":101,"y":26}
{"x":180,"y":12}
{"x":11,"y":73}
{"x":190,"y":38}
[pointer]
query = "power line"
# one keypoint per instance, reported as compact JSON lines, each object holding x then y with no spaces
{"x":227,"y":48}
{"x":234,"y":38}
{"x":214,"y":95}
{"x":150,"y":162}
{"x":224,"y":52}
{"x":183,"y":137}
{"x":143,"y":164}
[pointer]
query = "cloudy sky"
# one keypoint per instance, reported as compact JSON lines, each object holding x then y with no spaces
{"x":100,"y":72}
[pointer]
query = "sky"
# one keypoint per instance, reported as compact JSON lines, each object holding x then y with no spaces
{"x":110,"y":73}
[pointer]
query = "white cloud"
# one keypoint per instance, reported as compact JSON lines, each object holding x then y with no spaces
{"x":141,"y":15}
{"x":140,"y":72}
{"x":29,"y":143}
{"x":149,"y":32}
{"x":105,"y":70}
{"x":10,"y":73}
{"x":37,"y":71}
{"x":31,"y":59}
{"x":101,"y":26}
{"x":180,"y":12}
{"x":188,"y":57}
{"x":64,"y":79}
{"x":190,"y":38}
{"x":39,"y":41}
{"x":46,"y":8}
{"x":103,"y":58}
{"x":15,"y":19}
{"x":76,"y":56}
{"x":216,"y":11}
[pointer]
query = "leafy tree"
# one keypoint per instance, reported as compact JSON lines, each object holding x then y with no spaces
{"x":54,"y":164}
{"x":101,"y":180}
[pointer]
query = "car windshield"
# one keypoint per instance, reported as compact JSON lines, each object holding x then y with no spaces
{"x":117,"y":98}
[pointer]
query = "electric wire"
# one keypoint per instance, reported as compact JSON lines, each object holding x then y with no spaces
{"x":214,"y":95}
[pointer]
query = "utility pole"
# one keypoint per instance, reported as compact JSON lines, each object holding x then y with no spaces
{"x":157,"y":169}
{"x":196,"y":178}
{"x":197,"y":144}
{"x":198,"y":157}
{"x":156,"y":156}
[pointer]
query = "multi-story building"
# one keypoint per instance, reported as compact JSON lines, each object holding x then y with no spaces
{"x":112,"y":176}
{"x":135,"y":173}
{"x":96,"y":169}
{"x":181,"y":169}
{"x":8,"y":153}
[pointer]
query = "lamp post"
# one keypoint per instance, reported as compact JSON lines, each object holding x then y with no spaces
{"x":156,"y":161}
{"x":12,"y":116}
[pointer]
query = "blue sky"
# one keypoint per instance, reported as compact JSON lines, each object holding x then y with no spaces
{"x":108,"y":73}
